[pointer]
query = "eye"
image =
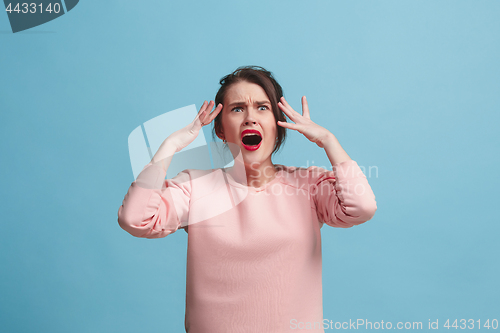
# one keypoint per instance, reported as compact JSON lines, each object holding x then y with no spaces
{"x":263,"y":106}
{"x":236,"y":109}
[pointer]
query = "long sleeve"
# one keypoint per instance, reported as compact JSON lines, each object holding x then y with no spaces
{"x":153,"y":206}
{"x":343,"y":197}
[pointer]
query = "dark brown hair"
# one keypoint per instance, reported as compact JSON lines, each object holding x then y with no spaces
{"x":265,"y":79}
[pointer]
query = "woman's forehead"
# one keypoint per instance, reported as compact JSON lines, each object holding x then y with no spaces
{"x":246,"y":92}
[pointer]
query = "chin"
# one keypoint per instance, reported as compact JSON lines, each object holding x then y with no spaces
{"x":250,"y":157}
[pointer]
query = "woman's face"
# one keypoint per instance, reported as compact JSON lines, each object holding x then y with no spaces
{"x":248,"y":121}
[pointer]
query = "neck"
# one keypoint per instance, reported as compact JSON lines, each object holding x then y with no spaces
{"x":253,"y":174}
{"x":258,"y":174}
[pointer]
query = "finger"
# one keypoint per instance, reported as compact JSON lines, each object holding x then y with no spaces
{"x":285,"y":103}
{"x":287,"y":111}
{"x":288,"y":125}
{"x":283,"y":100}
{"x":214,"y":113}
{"x":203,"y":115}
{"x":305,"y":108}
{"x":206,"y":112}
{"x":202,"y":109}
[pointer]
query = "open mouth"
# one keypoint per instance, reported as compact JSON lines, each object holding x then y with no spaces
{"x":251,"y":139}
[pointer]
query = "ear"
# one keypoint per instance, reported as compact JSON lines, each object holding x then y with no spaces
{"x":222,"y":137}
{"x":220,"y":134}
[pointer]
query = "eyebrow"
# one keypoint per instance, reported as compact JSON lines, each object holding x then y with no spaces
{"x":243,"y":103}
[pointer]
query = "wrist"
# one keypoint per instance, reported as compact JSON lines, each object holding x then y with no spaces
{"x":336,"y":154}
{"x":165,"y":151}
{"x":328,"y":140}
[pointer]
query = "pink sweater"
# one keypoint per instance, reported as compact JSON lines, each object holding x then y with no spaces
{"x":254,"y":254}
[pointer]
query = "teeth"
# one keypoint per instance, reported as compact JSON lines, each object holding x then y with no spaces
{"x":247,"y":134}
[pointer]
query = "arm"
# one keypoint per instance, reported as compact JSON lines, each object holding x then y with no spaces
{"x":154,"y":207}
{"x":183,"y":137}
{"x":344,"y":198}
{"x":148,"y":209}
{"x":356,"y":202}
{"x":336,"y":154}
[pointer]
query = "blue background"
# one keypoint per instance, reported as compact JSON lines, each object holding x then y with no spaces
{"x":410,"y":87}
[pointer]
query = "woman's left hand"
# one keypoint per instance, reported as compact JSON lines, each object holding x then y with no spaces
{"x":303,"y":123}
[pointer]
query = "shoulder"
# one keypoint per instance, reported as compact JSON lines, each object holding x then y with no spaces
{"x":198,"y":181}
{"x":195,"y":173}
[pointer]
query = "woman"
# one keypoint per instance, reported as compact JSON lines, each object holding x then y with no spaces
{"x":254,"y":241}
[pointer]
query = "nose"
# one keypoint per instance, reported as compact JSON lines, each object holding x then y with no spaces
{"x":250,"y":118}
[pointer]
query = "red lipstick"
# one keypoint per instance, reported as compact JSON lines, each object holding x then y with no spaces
{"x":251,"y":146}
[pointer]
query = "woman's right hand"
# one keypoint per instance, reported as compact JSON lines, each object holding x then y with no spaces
{"x":178,"y":140}
{"x":183,"y":137}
